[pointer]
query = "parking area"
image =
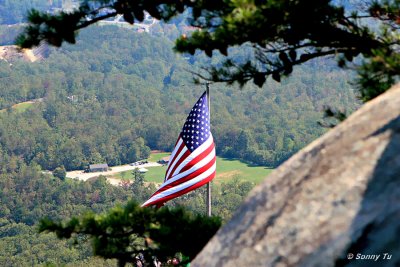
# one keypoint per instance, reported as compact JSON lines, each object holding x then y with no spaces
{"x":81,"y":175}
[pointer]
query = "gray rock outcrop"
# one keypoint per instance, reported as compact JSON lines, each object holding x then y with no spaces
{"x":339,"y":196}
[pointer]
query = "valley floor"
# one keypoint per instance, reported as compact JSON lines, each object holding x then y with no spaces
{"x":227,"y":169}
{"x":80,"y":175}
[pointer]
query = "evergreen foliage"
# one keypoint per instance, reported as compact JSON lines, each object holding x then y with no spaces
{"x":124,"y":233}
{"x":28,"y":195}
{"x":281,"y":34}
{"x":115,"y":95}
{"x":107,"y":99}
{"x":60,"y":172}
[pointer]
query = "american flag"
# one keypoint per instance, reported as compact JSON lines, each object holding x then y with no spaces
{"x":192,"y":162}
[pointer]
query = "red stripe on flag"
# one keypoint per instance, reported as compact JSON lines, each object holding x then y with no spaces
{"x":187,"y":177}
{"x":171,"y":160}
{"x":184,"y":156}
{"x":193,"y":162}
{"x":197,"y":159}
{"x":182,"y":192}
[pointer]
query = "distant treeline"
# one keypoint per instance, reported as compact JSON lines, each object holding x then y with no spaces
{"x":115,"y":95}
{"x":111,"y":98}
{"x":8,"y":34}
{"x":15,"y":11}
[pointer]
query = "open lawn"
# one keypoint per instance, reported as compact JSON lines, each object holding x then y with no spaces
{"x":229,"y":168}
{"x":155,"y":174}
{"x":226,"y":170}
{"x":21,"y":107}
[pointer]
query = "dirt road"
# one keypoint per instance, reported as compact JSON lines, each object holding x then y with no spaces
{"x":80,"y":175}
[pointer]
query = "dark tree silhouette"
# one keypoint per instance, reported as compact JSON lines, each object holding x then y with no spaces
{"x":125,"y":233}
{"x":282,"y":34}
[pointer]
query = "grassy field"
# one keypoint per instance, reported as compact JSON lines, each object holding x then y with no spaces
{"x":229,"y":168}
{"x":155,"y":174}
{"x":21,"y":107}
{"x":226,"y":170}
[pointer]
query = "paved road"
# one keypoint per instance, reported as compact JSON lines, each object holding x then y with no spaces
{"x":80,"y":175}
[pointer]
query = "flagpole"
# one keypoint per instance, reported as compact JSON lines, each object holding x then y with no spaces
{"x":209,"y":120}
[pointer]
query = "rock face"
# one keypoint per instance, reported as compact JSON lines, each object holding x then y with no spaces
{"x":339,"y":196}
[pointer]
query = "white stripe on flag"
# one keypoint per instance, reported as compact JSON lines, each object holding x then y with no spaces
{"x":194,"y":154}
{"x":182,"y":186}
{"x":184,"y":149}
{"x":176,"y":148}
{"x":194,"y":168}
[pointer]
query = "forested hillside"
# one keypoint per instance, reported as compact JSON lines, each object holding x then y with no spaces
{"x":28,"y":195}
{"x":116,"y":95}
{"x":15,"y":11}
{"x":113,"y":97}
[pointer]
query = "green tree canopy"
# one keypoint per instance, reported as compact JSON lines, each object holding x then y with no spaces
{"x":124,"y":233}
{"x":281,"y":34}
{"x":60,"y":172}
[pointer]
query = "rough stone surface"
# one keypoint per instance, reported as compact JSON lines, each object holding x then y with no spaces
{"x":339,"y":195}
